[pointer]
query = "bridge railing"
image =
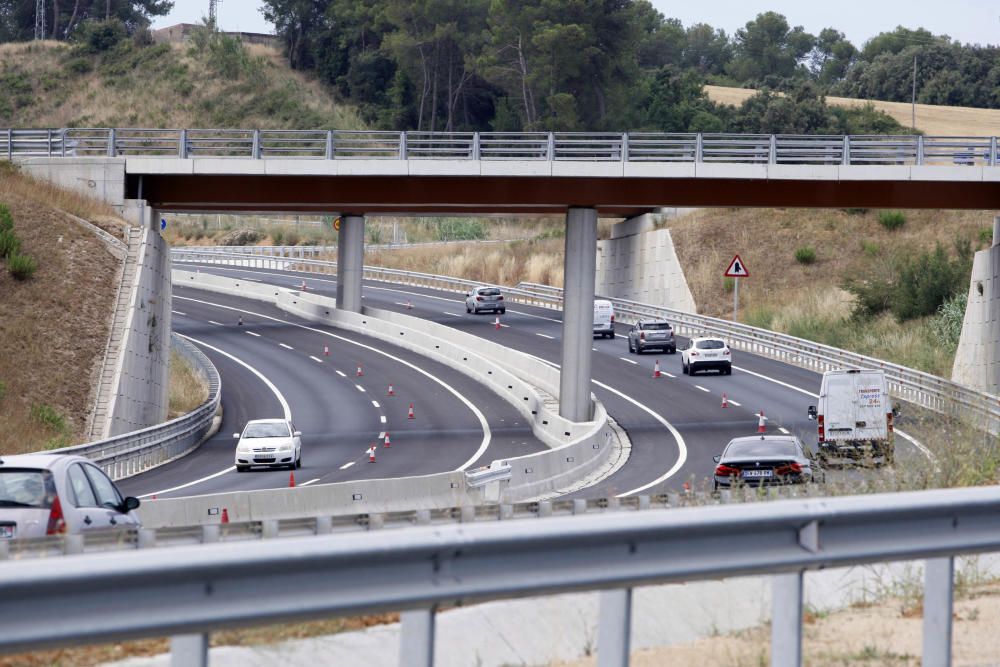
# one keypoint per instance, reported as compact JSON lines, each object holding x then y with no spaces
{"x":882,"y":150}
{"x":131,"y":453}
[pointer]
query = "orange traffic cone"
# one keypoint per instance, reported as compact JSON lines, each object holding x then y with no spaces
{"x":371,"y":454}
{"x":225,"y":515}
{"x":303,"y":285}
{"x":291,"y":480}
{"x":240,"y":322}
{"x":761,"y":425}
{"x":497,"y":322}
{"x":391,"y":392}
{"x":725,"y":401}
{"x":409,"y":414}
{"x":361,"y":371}
{"x":326,"y":350}
{"x":386,"y":443}
{"x":409,"y":306}
{"x":656,"y":369}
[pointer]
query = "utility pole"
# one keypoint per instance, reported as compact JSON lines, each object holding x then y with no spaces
{"x":39,"y":19}
{"x":913,"y":101}
{"x":213,"y":13}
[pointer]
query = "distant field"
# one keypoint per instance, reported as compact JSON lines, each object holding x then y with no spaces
{"x":931,"y":119}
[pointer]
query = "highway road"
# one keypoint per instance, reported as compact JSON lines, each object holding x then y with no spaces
{"x":676,"y":423}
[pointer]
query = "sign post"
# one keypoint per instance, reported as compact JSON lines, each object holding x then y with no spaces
{"x":737,"y":269}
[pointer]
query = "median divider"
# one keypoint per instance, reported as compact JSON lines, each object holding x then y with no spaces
{"x":576,"y":449}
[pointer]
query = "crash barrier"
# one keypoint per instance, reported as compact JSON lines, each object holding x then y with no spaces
{"x":577,"y":449}
{"x":597,"y":147}
{"x":132,"y":453}
{"x":191,"y":591}
{"x":980,"y":409}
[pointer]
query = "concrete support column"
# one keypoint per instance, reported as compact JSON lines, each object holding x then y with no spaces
{"x":350,"y":262}
{"x":578,"y":314}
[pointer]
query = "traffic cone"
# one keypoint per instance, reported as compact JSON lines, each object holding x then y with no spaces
{"x":291,"y":480}
{"x":154,"y":497}
{"x":326,"y":350}
{"x":725,"y":401}
{"x":386,"y":443}
{"x":225,"y":515}
{"x":391,"y":392}
{"x":240,"y":323}
{"x":409,"y":306}
{"x":497,"y":322}
{"x":761,"y":426}
{"x":303,"y":285}
{"x":656,"y":369}
{"x":409,"y":415}
{"x":361,"y":370}
{"x":371,"y":454}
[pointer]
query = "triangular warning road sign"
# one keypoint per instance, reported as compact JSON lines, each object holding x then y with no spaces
{"x":737,"y":269}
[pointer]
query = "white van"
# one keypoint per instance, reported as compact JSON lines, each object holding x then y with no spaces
{"x":604,"y":318}
{"x":854,"y":416}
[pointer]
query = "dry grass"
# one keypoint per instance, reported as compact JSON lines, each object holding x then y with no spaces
{"x":54,"y":327}
{"x":932,"y":119}
{"x":187,"y":389}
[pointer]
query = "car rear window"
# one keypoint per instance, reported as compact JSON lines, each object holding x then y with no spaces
{"x":761,"y":448}
{"x":275,"y":430}
{"x":26,"y":488}
{"x":656,"y":326}
{"x":492,"y":291}
{"x":709,"y":345}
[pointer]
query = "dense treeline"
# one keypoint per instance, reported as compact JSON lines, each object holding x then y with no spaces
{"x":610,"y":64}
{"x":64,"y":17}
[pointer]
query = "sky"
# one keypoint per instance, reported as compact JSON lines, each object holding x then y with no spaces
{"x":969,"y":21}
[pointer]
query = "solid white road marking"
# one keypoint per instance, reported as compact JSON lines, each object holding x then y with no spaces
{"x":698,"y":386}
{"x":342,"y":374}
{"x":359,"y":388}
{"x":256,"y":335}
{"x":218,"y":324}
{"x":177,"y":312}
{"x":316,"y":359}
{"x":732,"y":402}
{"x":375,"y":403}
{"x":783,"y":430}
{"x":347,"y":465}
{"x":545,"y":336}
{"x":270,"y":385}
{"x":634,"y":363}
{"x":669,"y":375}
{"x":287,"y":347}
{"x":312,"y":481}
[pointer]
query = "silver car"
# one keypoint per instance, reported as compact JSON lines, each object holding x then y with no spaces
{"x":651,"y":335}
{"x":764,"y":460}
{"x":485,"y":298}
{"x":49,"y":494}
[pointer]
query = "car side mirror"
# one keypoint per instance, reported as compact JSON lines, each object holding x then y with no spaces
{"x":236,"y":435}
{"x":297,"y":433}
{"x":131,"y":503}
{"x":717,"y":458}
{"x":811,"y":412}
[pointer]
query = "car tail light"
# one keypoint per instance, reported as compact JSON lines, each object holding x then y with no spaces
{"x":820,"y":429}
{"x":612,"y":319}
{"x":725,"y":353}
{"x":57,"y":524}
{"x":693,"y":354}
{"x":479,"y":298}
{"x":642,"y":335}
{"x":888,"y":421}
{"x":722,"y":470}
{"x":788,"y":469}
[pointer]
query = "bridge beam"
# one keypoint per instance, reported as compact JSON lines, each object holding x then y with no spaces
{"x":578,"y":313}
{"x":350,"y":262}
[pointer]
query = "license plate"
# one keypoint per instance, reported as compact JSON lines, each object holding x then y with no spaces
{"x":264,"y":459}
{"x":756,"y":473}
{"x":7,"y":532}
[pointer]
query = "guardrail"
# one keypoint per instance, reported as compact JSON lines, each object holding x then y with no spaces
{"x":531,"y":146}
{"x":135,"y":452}
{"x":923,"y":389}
{"x":195,"y":590}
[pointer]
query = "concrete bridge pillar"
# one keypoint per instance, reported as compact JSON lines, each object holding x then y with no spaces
{"x":578,"y":314}
{"x":350,"y":262}
{"x":977,"y":359}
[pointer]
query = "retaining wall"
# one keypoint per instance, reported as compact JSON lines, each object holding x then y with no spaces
{"x":101,"y":178}
{"x":977,"y":359}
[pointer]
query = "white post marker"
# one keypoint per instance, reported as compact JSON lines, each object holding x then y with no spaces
{"x":737,"y":269}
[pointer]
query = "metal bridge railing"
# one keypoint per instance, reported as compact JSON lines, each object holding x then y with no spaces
{"x":882,"y":150}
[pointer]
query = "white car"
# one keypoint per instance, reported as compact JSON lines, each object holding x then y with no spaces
{"x":485,"y":298}
{"x":273,"y":443}
{"x":703,"y":354}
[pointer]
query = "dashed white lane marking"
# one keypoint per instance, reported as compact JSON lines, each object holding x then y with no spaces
{"x":270,"y":385}
{"x":287,"y":347}
{"x":359,"y":388}
{"x":452,"y":314}
{"x":732,"y":402}
{"x":634,"y":363}
{"x":698,"y":386}
{"x":342,"y":374}
{"x":177,"y":312}
{"x":545,"y":336}
{"x":375,"y":403}
{"x":594,"y":349}
{"x":316,"y":359}
{"x":255,"y":335}
{"x":347,"y":465}
{"x":312,"y":481}
{"x":783,"y":430}
{"x":669,"y":375}
{"x":218,"y":324}
{"x":382,"y":419}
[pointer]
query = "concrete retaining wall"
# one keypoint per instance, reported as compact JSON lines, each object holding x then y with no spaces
{"x":639,"y":264}
{"x":577,"y":449}
{"x":977,"y":360}
{"x":97,"y":177}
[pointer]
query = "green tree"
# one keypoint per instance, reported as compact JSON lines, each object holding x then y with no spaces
{"x":768,"y":47}
{"x":64,"y":17}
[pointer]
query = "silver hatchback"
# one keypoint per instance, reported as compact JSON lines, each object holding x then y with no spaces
{"x":485,"y":298}
{"x":651,"y":335}
{"x":49,"y":494}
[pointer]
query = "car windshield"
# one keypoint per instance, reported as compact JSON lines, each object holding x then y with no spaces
{"x":271,"y":430}
{"x":709,"y":345}
{"x":26,"y":488}
{"x":751,"y":448}
{"x":656,"y":326}
{"x":490,"y":291}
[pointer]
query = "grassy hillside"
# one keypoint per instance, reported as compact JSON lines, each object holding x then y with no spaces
{"x":931,"y":119}
{"x":214,"y":83}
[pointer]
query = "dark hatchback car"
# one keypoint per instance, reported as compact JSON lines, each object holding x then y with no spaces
{"x":764,"y":460}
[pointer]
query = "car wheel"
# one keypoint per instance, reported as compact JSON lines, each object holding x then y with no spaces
{"x":503,"y":311}
{"x":672,"y":350}
{"x":729,"y":370}
{"x":684,"y":368}
{"x":298,"y":462}
{"x":468,"y":310}
{"x":242,"y":468}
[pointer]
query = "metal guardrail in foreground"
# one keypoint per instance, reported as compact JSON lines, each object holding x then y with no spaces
{"x":828,"y":150}
{"x":191,"y":591}
{"x":131,"y":453}
{"x":923,"y":389}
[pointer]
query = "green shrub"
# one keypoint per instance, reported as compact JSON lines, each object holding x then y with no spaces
{"x":930,"y":279}
{"x":805,"y":255}
{"x":48,"y":417}
{"x":10,"y":245}
{"x":3,"y":389}
{"x":986,"y":235}
{"x":292,"y":238}
{"x":79,"y":66}
{"x":99,"y":36}
{"x":278,"y":236}
{"x":22,"y":267}
{"x":870,"y":248}
{"x":947,"y":324}
{"x":728,"y":284}
{"x":891,"y":220}
{"x":855,"y":211}
{"x":6,"y":219}
{"x":460,"y":230}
